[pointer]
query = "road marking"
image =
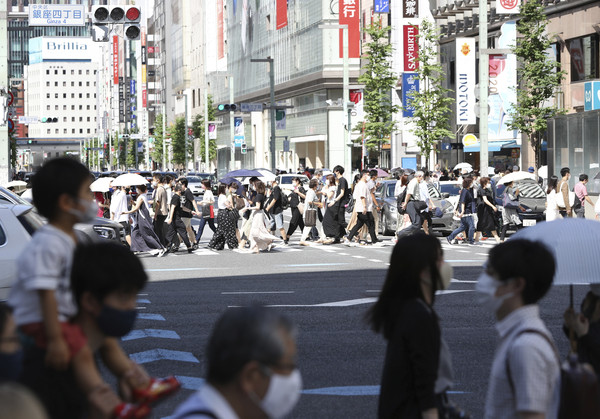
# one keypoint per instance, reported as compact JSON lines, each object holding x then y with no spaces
{"x":461,"y":281}
{"x":140,"y":308}
{"x":313,"y":264}
{"x":151,"y":333}
{"x":482,"y":254}
{"x":343,"y":254}
{"x":190,"y":383}
{"x":163,"y":354}
{"x":142,"y":301}
{"x":373,"y":291}
{"x":353,"y":391}
{"x":149,"y":316}
{"x":375,"y":260}
{"x":183,"y":269}
{"x":465,"y":261}
{"x":256,"y":292}
{"x":358,"y":257}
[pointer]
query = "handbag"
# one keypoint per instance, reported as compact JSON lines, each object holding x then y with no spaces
{"x":560,"y":199}
{"x":207,"y":211}
{"x":419,"y":205}
{"x":239,"y":202}
{"x":510,"y":201}
{"x":310,"y":217}
{"x":350,"y":205}
{"x":301,"y":208}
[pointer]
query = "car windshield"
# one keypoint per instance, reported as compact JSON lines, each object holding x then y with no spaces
{"x":194,"y":179}
{"x":433,"y":191}
{"x":527,"y":189}
{"x":11,"y":197}
{"x":451,"y":188}
{"x":286,"y":180}
{"x":391,"y":187}
{"x":31,"y":221}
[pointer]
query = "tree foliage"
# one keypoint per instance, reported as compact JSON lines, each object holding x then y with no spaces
{"x":539,"y":76}
{"x":198,"y":130}
{"x":432,"y":102}
{"x":379,"y":80}
{"x":178,"y":140}
{"x":157,"y":153}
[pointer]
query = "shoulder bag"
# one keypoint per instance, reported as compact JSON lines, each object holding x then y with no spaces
{"x":310,"y":217}
{"x":560,"y":199}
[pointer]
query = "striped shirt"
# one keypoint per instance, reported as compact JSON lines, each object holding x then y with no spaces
{"x":533,"y":365}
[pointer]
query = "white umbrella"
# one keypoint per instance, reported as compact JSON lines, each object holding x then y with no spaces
{"x":575,"y":243}
{"x":461,"y":166}
{"x":266,"y":175}
{"x":516,"y":176}
{"x":491,"y":171}
{"x":130,"y":179}
{"x":101,"y":184}
{"x":543,"y":172}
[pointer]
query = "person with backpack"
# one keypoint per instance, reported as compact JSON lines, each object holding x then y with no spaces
{"x":526,"y":368}
{"x":581,"y":195}
{"x":275,"y":209}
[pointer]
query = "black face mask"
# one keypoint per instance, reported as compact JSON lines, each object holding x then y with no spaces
{"x":114,"y":322}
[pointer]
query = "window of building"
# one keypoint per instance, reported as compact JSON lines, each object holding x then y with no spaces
{"x":72,"y":84}
{"x":55,"y":95}
{"x":81,"y":119}
{"x":47,"y":107}
{"x":55,"y":107}
{"x":64,"y":84}
{"x":80,"y":72}
{"x":47,"y":71}
{"x":72,"y":107}
{"x":47,"y":131}
{"x":87,"y":83}
{"x":88,"y":131}
{"x":56,"y":131}
{"x":80,"y":107}
{"x":47,"y":84}
{"x":55,"y":72}
{"x":64,"y":107}
{"x":81,"y":130}
{"x":72,"y":72}
{"x":87,"y":95}
{"x":64,"y":72}
{"x":64,"y":119}
{"x":584,"y":57}
{"x":55,"y":84}
{"x":95,"y":72}
{"x":88,"y":119}
{"x":64,"y":131}
{"x":80,"y":95}
{"x":47,"y":95}
{"x":72,"y":95}
{"x":72,"y":119}
{"x":64,"y":95}
{"x":87,"y":72}
{"x":73,"y":131}
{"x":80,"y":82}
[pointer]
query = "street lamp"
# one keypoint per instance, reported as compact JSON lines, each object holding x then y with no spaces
{"x":272,"y":106}
{"x":178,"y":95}
{"x":345,"y":92}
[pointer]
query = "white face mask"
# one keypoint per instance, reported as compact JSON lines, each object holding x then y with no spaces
{"x":486,"y":293}
{"x":88,"y":214}
{"x":446,"y":271}
{"x":282,"y":395}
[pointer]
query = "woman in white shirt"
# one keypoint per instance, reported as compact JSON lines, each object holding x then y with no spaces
{"x":551,"y":207}
{"x":208,"y":214}
{"x":226,"y":225}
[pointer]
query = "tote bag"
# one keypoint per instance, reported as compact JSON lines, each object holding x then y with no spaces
{"x":310,"y":218}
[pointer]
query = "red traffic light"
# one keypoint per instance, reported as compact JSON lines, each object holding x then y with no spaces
{"x":133,"y":13}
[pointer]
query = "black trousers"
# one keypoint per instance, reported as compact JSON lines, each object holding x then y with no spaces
{"x":159,"y":228}
{"x":340,"y":217}
{"x":295,"y":222}
{"x":362,"y":220}
{"x":416,"y":220}
{"x":177,"y":227}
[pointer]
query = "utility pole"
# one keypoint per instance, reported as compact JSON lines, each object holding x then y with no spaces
{"x":231,"y":127}
{"x":4,"y":140}
{"x":272,"y":109}
{"x":206,"y":163}
{"x":164,"y":133}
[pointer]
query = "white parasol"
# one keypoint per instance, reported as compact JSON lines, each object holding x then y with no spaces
{"x":130,"y":179}
{"x":101,"y":184}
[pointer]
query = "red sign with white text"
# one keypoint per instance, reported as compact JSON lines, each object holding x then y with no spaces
{"x":282,"y":20}
{"x":115,"y":60}
{"x":411,"y":48}
{"x":349,"y":15}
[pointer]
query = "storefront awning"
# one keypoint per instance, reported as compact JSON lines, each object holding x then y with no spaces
{"x":492,"y":146}
{"x":308,"y":139}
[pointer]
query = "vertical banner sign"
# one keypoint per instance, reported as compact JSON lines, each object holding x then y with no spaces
{"x":465,"y":81}
{"x":507,"y":7}
{"x":220,"y":44}
{"x":212,"y":131}
{"x":281,"y":14}
{"x":382,"y":6}
{"x":144,"y":69}
{"x":349,"y":16}
{"x":238,"y":131}
{"x":115,"y":60}
{"x":410,"y":83}
{"x":410,"y":9}
{"x":411,"y":47}
{"x":121,"y":99}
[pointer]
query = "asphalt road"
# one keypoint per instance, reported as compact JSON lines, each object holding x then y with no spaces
{"x":326,"y":290}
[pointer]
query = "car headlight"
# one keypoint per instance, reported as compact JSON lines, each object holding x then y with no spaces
{"x":393,"y":208}
{"x":105,"y":232}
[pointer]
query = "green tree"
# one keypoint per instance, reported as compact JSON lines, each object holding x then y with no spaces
{"x":178,"y":138}
{"x":432,"y":102}
{"x":539,"y":77}
{"x":198,"y":131}
{"x":379,"y":80}
{"x":157,"y":153}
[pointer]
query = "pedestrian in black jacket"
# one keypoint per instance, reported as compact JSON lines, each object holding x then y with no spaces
{"x":417,"y":370}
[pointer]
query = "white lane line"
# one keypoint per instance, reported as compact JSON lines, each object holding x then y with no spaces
{"x":343,"y":254}
{"x":481,"y":254}
{"x":463,"y":251}
{"x":373,"y":291}
{"x":375,"y":260}
{"x":358,"y":257}
{"x":461,"y":281}
{"x":140,"y":308}
{"x":256,"y":292}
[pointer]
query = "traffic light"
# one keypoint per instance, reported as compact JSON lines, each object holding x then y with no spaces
{"x":244,"y":148}
{"x":49,"y":120}
{"x":128,"y":16}
{"x":226,"y":107}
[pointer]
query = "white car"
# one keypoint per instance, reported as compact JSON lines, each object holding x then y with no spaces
{"x":17,"y":225}
{"x":286,"y":185}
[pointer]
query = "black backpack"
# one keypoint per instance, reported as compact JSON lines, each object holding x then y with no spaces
{"x":400,"y":201}
{"x":285,"y":202}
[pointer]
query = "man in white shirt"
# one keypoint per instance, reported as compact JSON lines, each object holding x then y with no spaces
{"x":525,"y":371}
{"x":413,"y":205}
{"x":252,"y":373}
{"x":426,"y":197}
{"x":363,"y":204}
{"x":118,"y":205}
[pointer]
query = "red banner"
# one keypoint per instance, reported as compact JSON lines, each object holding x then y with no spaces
{"x":411,"y":48}
{"x":349,"y":15}
{"x":144,"y":98}
{"x":220,"y":42}
{"x":281,"y":14}
{"x":115,"y":60}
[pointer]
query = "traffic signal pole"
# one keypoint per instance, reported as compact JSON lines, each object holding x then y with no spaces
{"x":4,"y":140}
{"x":231,"y":127}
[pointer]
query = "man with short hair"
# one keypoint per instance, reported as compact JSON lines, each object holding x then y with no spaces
{"x":175,"y":223}
{"x":276,"y":210}
{"x":525,"y":371}
{"x":426,"y":197}
{"x":582,"y":194}
{"x":338,"y":206}
{"x":364,"y":209}
{"x":161,"y":207}
{"x":189,"y":206}
{"x":251,"y":371}
{"x":563,"y":188}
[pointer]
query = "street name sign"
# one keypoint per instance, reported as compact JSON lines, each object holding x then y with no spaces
{"x":56,"y":15}
{"x":251,"y":107}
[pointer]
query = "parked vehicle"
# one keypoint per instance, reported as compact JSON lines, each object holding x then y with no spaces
{"x":532,"y":199}
{"x":285,"y":182}
{"x":388,"y":221}
{"x":195,"y":182}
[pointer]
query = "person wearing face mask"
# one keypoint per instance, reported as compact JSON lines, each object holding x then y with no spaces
{"x":526,"y":368}
{"x":118,"y":210}
{"x":418,"y":370}
{"x":586,"y":327}
{"x":251,"y":364}
{"x":106,"y":301}
{"x":486,"y":210}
